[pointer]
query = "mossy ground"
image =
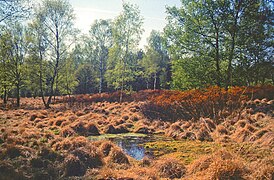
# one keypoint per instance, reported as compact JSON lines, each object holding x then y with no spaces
{"x":187,"y":151}
{"x":115,"y":136}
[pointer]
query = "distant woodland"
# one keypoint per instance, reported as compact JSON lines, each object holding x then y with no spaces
{"x":224,"y":43}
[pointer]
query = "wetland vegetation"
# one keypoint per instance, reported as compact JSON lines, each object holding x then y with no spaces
{"x":197,"y":102}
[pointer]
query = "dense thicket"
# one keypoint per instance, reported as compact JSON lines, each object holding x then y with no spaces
{"x":205,"y":42}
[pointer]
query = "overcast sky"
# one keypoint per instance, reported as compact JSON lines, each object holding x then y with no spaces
{"x":153,"y":12}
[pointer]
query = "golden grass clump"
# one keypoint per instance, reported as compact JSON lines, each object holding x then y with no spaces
{"x":219,"y":165}
{"x":266,"y":140}
{"x":79,"y":113}
{"x":221,"y":129}
{"x":203,"y":134}
{"x":72,"y":117}
{"x":209,"y":123}
{"x":7,"y":171}
{"x":79,"y":128}
{"x":110,"y":129}
{"x":116,"y":155}
{"x":33,"y":117}
{"x":122,"y":129}
{"x":59,"y":120}
{"x":174,"y":130}
{"x":265,"y":172}
{"x":227,"y":169}
{"x":200,"y":164}
{"x":241,"y":123}
{"x":91,"y":129}
{"x":250,"y":128}
{"x":89,"y":156}
{"x":143,"y":130}
{"x":241,"y":135}
{"x":171,"y":168}
{"x":69,"y":144}
{"x":67,"y":132}
{"x":259,"y":116}
{"x":186,"y":125}
{"x":145,"y":162}
{"x":73,"y":166}
{"x":263,"y":169}
{"x":106,"y":147}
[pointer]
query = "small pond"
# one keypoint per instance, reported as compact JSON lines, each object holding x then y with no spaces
{"x":131,"y":143}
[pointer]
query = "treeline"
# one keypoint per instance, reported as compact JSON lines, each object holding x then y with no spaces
{"x":222,"y":43}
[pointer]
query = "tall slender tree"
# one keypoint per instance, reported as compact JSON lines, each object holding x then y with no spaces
{"x":101,"y":37}
{"x":57,"y":19}
{"x":127,"y":30}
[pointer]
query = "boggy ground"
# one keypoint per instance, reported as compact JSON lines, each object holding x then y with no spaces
{"x":52,"y":143}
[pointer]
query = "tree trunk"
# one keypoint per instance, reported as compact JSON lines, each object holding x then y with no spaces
{"x":101,"y":75}
{"x":232,"y":46}
{"x":123,"y":71}
{"x":55,"y":69}
{"x":155,"y":81}
{"x":217,"y":51}
{"x":229,"y":68}
{"x":217,"y":59}
{"x":18,"y":94}
{"x":41,"y":79}
{"x":5,"y":94}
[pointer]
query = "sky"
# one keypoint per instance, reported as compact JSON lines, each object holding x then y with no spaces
{"x":153,"y":12}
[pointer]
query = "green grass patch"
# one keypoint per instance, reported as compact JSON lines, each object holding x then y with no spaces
{"x":115,"y":136}
{"x":186,"y":151}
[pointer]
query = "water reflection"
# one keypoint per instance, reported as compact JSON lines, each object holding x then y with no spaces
{"x":132,"y":144}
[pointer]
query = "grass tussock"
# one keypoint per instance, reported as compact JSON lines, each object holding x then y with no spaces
{"x":117,"y":156}
{"x":171,"y":168}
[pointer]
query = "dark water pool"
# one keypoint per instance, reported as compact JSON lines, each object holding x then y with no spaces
{"x":131,"y":143}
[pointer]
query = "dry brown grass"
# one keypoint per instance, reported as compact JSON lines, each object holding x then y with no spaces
{"x":170,"y":168}
{"x":227,"y":169}
{"x":67,"y":132}
{"x":89,"y":156}
{"x":220,"y":165}
{"x":73,"y":166}
{"x":221,"y":130}
{"x":70,"y":143}
{"x":116,"y":155}
{"x":106,"y":147}
{"x":91,"y":129}
{"x":203,"y":134}
{"x":26,"y":132}
{"x":263,"y":169}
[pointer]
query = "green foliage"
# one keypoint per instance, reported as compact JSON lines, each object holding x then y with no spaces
{"x":155,"y":61}
{"x":231,"y":39}
{"x":127,"y":30}
{"x":85,"y":77}
{"x":67,"y":78}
